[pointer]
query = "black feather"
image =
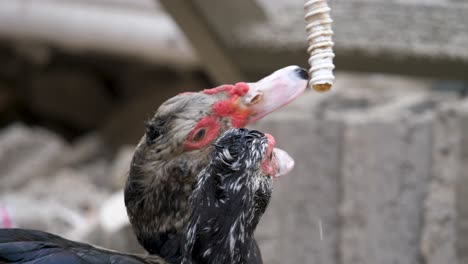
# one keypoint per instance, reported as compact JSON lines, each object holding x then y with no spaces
{"x":230,"y":196}
{"x":32,"y":246}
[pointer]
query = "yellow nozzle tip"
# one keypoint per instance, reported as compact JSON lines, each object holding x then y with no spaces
{"x":322,"y":87}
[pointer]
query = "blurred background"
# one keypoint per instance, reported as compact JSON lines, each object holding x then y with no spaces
{"x":381,"y":161}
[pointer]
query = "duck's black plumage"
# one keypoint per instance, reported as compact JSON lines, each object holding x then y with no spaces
{"x":230,"y":196}
{"x":32,"y":246}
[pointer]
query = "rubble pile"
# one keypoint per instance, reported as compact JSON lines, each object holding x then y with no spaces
{"x":49,"y":184}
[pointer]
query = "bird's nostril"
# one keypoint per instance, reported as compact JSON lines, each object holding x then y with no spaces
{"x":256,"y":99}
{"x":302,"y":73}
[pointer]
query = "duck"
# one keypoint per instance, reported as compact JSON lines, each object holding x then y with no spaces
{"x":176,"y":145}
{"x":230,"y":195}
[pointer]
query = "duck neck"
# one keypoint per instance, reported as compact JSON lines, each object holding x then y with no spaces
{"x":221,"y":224}
{"x":156,"y":197}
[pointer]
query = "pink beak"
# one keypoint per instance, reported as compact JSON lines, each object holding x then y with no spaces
{"x":274,"y":91}
{"x":281,"y":163}
{"x":284,"y":162}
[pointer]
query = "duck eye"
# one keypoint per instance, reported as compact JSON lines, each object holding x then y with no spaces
{"x":203,"y":133}
{"x":200,"y":134}
{"x":152,"y":132}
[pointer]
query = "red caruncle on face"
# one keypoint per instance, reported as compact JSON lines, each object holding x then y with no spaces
{"x":232,"y":106}
{"x":204,"y":132}
{"x":269,"y":164}
{"x":208,"y":128}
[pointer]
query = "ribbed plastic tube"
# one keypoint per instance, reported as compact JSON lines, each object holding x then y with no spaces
{"x":319,"y":38}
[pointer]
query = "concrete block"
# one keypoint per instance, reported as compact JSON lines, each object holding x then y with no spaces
{"x":385,"y":168}
{"x":462,"y":188}
{"x":384,"y":173}
{"x":439,"y":238}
